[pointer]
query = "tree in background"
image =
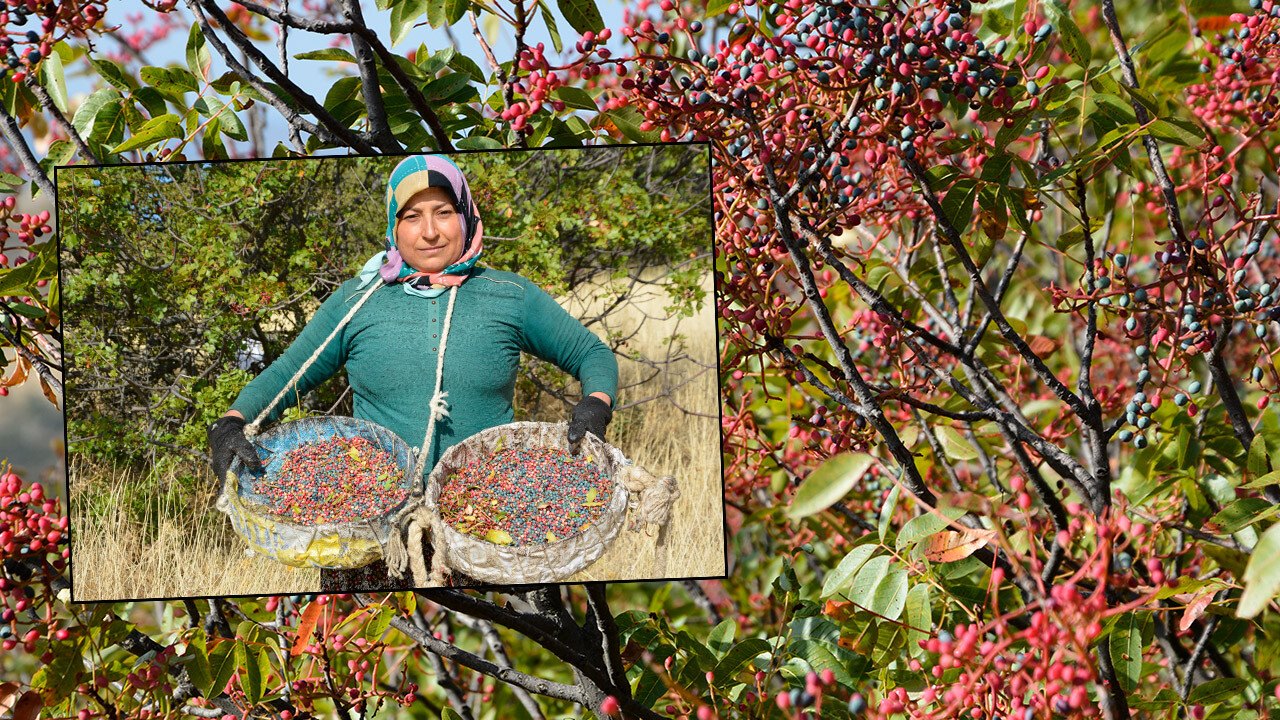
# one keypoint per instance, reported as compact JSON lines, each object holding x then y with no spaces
{"x":997,"y":289}
{"x":177,"y":274}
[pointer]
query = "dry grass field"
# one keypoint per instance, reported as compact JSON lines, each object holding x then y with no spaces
{"x":183,"y":547}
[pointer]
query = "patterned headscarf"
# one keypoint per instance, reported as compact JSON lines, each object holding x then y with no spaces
{"x":413,"y":175}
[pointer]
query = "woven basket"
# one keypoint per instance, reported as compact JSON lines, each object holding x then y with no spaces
{"x":519,"y":564}
{"x":326,"y":545}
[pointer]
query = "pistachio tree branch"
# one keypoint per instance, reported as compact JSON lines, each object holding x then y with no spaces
{"x":51,"y":108}
{"x":370,"y":89}
{"x":13,"y":133}
{"x":451,"y":652}
{"x":330,"y":131}
{"x":1130,"y":77}
{"x":979,"y":286}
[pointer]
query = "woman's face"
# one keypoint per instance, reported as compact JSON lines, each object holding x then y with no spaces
{"x":429,"y":231}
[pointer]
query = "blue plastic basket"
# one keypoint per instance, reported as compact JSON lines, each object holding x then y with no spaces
{"x":327,"y":545}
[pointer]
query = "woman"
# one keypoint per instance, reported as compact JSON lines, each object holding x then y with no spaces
{"x":425,"y":294}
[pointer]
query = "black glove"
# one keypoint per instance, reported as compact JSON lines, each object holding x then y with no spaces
{"x":591,"y":413}
{"x":226,"y":442}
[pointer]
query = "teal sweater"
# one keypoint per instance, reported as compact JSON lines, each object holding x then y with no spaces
{"x":391,"y":344}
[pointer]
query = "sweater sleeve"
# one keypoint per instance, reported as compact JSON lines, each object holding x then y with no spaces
{"x":264,"y":388}
{"x":552,"y":334}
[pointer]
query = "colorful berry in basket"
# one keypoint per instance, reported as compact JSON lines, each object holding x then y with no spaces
{"x":526,"y":496}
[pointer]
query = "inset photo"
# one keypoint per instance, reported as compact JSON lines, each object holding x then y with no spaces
{"x":353,"y":374}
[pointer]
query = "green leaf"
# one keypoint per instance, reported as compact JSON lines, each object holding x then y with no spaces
{"x":717,"y":7}
{"x":1256,"y":463}
{"x":922,"y":526}
{"x":478,"y":142}
{"x":197,"y":663}
{"x":212,"y":107}
{"x":919,"y":615}
{"x":628,"y":120}
{"x":403,"y":16}
{"x":198,"y":58}
{"x":1075,"y":235}
{"x":114,"y":74}
{"x":848,"y":566}
{"x":87,"y":114}
{"x":1262,"y":576}
{"x":1211,"y":8}
{"x":940,"y":176}
{"x":445,"y":86}
{"x":1072,"y":39}
{"x":152,"y":99}
{"x":1144,"y":98}
{"x":1116,"y":108}
{"x":110,"y":123}
{"x":955,"y":445}
{"x":998,"y":22}
{"x":435,"y":12}
{"x":378,"y":624}
{"x":575,"y":97}
{"x":582,"y":15}
{"x":1162,"y":700}
{"x":454,"y":10}
{"x":328,"y":55}
{"x":1270,"y":478}
{"x":20,"y":281}
{"x":550,"y":19}
{"x":957,"y":206}
{"x":1216,"y":691}
{"x":740,"y":656}
{"x":26,"y":310}
{"x":60,"y":674}
{"x":211,"y":141}
{"x":222,"y":664}
{"x":886,"y":512}
{"x":251,"y":678}
{"x":154,"y":131}
{"x":816,"y":639}
{"x":174,"y":81}
{"x":828,"y":483}
{"x":881,"y":587}
{"x":60,"y":153}
{"x":1126,"y":649}
{"x":1243,"y":513}
{"x":55,"y":80}
{"x":721,"y":637}
{"x":1177,"y":131}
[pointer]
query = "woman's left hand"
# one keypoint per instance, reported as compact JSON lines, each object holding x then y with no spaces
{"x":590,"y":414}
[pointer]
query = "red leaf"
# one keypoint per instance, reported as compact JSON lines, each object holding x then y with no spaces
{"x":19,"y":374}
{"x":306,"y":624}
{"x":950,"y":546}
{"x":28,"y":707}
{"x":1217,"y":22}
{"x":1195,"y":609}
{"x":8,"y":693}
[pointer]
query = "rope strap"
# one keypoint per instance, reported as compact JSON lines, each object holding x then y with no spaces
{"x":439,"y":408}
{"x":418,"y":521}
{"x":657,"y":500}
{"x":252,"y":428}
{"x":657,"y":496}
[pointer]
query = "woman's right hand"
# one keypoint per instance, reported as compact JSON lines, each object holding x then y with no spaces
{"x":226,"y":442}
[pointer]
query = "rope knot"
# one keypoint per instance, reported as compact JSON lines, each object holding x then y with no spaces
{"x":439,"y":408}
